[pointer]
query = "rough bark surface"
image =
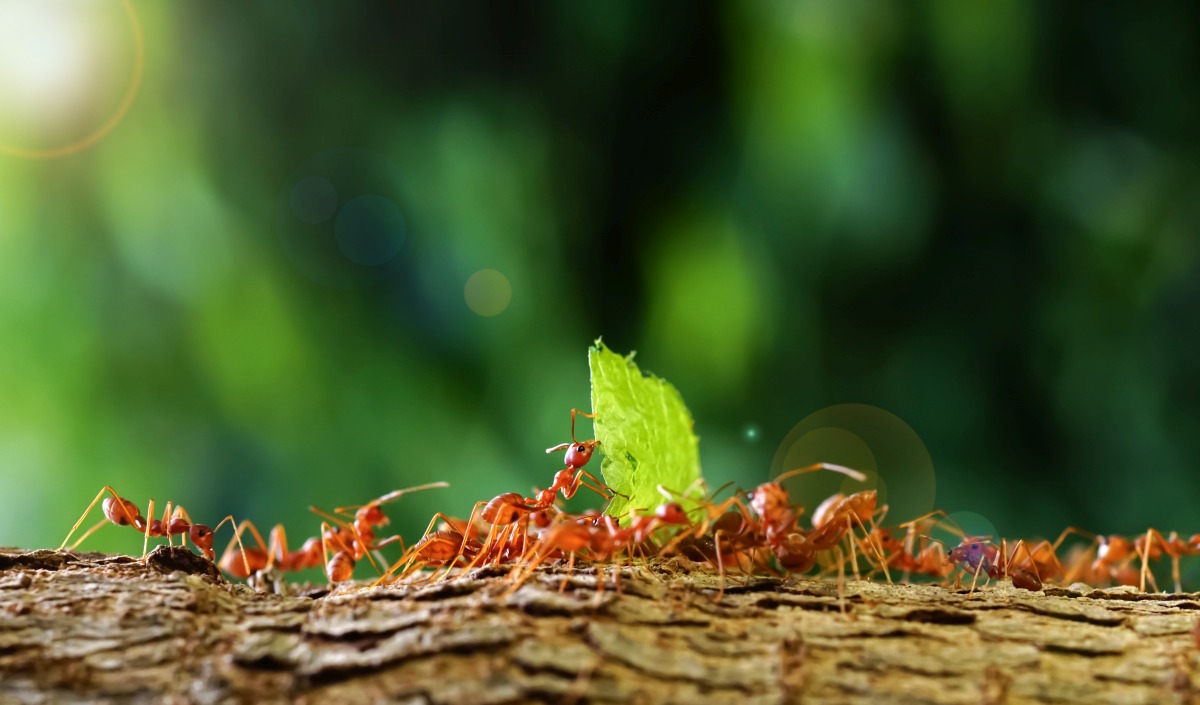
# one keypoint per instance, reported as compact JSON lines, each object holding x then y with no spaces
{"x":170,"y":629}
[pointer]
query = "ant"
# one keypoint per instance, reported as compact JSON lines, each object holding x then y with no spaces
{"x":504,"y":510}
{"x":977,"y":553}
{"x":578,"y":452}
{"x":1114,"y":554}
{"x":600,"y":535}
{"x":350,"y":541}
{"x":357,"y":539}
{"x":929,"y":558}
{"x":832,"y":520}
{"x":174,"y":522}
{"x":442,"y":548}
{"x":1172,"y":545}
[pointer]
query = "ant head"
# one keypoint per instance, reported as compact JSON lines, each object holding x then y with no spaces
{"x":671,"y":513}
{"x":886,"y":539}
{"x":371,"y":515}
{"x":971,"y":551}
{"x":769,"y":499}
{"x":202,"y":536}
{"x":578,"y":454}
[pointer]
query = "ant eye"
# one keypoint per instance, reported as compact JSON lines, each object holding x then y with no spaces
{"x":974,"y":547}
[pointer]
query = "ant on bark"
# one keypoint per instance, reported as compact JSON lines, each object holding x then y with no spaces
{"x":978,"y":553}
{"x":929,"y":557}
{"x":348,"y":541}
{"x":174,"y":522}
{"x":509,"y":513}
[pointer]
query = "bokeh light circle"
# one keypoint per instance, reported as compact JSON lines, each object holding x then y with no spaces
{"x":314,"y":199}
{"x":343,"y":219}
{"x":369,"y":230}
{"x":488,"y":292}
{"x":131,"y":91}
{"x":866,"y":438}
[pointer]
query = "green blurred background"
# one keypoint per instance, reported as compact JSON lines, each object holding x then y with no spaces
{"x":333,"y":249}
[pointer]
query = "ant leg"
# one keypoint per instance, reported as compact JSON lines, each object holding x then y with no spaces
{"x":146,"y":531}
{"x":386,"y":542}
{"x":910,"y":532}
{"x":878,"y":548}
{"x":277,"y":547}
{"x":1168,"y":550}
{"x":1145,"y":552}
{"x":87,"y":533}
{"x":183,"y":514}
{"x":1020,"y":544}
{"x":120,"y":502}
{"x":85,"y":513}
{"x":562,"y":587}
{"x":462,"y":547}
{"x":599,"y":487}
{"x":841,"y":581}
{"x":237,"y":536}
{"x":166,"y":525}
{"x":720,"y":566}
{"x":975,"y":578}
{"x":853,"y":554}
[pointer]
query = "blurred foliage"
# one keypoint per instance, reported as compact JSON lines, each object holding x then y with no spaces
{"x":252,"y":295}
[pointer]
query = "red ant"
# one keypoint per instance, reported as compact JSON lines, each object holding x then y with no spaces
{"x":836,"y":516}
{"x":1147,"y":547}
{"x":504,"y":510}
{"x":272,"y":555}
{"x":350,"y":541}
{"x":776,"y":525}
{"x":357,"y":539}
{"x":600,"y":535}
{"x":1114,"y":554}
{"x":979,"y":554}
{"x":122,"y":512}
{"x":442,"y":548}
{"x":578,"y":453}
{"x":795,"y":551}
{"x":929,"y":558}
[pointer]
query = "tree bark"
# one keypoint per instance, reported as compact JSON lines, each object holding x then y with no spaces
{"x":170,"y":629}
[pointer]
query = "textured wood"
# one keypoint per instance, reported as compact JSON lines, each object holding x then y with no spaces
{"x":171,"y":630}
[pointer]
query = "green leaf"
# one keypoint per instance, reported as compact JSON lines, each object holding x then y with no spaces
{"x":645,"y":432}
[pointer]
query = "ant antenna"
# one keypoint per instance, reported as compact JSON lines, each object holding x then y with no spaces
{"x":848,"y":472}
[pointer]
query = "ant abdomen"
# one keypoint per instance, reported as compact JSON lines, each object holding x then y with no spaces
{"x":795,"y":554}
{"x":121,"y":511}
{"x":503,"y":509}
{"x":340,"y":567}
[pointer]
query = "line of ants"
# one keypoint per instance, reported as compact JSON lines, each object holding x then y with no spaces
{"x":757,"y":531}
